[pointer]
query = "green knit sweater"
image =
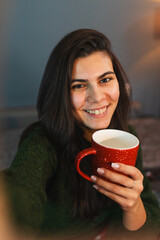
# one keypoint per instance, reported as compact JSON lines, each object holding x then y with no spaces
{"x":26,"y":181}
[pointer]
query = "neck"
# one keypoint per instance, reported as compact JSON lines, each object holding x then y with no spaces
{"x":88,"y":133}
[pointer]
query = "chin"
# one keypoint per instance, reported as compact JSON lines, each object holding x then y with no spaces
{"x":96,"y":128}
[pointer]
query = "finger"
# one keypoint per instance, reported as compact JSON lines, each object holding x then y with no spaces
{"x":123,"y":202}
{"x":115,"y":177}
{"x":128,"y":170}
{"x":115,"y":188}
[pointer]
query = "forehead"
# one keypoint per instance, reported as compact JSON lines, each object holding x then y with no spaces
{"x":93,"y":65}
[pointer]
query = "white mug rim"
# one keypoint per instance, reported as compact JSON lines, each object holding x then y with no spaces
{"x":102,"y":131}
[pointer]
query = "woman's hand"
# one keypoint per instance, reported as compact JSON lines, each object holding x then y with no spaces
{"x":124,"y":187}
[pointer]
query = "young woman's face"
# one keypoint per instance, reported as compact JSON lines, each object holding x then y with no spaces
{"x":94,"y":90}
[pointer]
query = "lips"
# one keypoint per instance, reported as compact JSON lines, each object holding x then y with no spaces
{"x":97,"y":112}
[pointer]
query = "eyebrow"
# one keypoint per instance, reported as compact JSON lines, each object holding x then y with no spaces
{"x":99,"y":77}
{"x":106,"y":73}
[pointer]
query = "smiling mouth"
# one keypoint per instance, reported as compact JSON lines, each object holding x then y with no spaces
{"x":99,"y":111}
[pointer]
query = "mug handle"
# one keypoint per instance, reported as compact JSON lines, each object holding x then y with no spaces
{"x":80,"y":156}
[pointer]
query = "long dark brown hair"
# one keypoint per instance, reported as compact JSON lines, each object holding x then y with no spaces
{"x":55,"y":110}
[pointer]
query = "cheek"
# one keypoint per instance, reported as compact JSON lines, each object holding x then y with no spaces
{"x":114,"y":92}
{"x":77,"y":100}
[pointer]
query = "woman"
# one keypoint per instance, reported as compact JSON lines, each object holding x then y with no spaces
{"x":82,"y":90}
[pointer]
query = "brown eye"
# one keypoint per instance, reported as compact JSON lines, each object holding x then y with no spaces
{"x":105,"y":80}
{"x":78,"y":86}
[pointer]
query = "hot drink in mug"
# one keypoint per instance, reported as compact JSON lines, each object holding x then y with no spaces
{"x":109,"y":146}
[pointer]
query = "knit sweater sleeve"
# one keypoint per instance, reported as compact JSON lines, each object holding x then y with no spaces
{"x":26,"y":179}
{"x":149,"y":200}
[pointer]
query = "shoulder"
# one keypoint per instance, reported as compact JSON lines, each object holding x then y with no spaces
{"x":35,"y":134}
{"x":35,"y":149}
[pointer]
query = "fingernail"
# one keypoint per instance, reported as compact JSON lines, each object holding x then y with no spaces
{"x":95,"y":186}
{"x":100,"y":170}
{"x":98,"y":237}
{"x":93,"y":178}
{"x":115,"y":165}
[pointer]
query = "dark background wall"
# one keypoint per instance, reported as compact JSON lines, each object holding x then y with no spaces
{"x":29,"y":30}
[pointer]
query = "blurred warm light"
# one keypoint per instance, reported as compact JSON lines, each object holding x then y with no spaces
{"x":157,"y":23}
{"x":147,"y":63}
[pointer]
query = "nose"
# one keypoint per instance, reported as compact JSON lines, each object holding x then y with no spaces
{"x":95,"y":94}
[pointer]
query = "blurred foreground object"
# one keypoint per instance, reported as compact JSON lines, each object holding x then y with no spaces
{"x":6,"y":230}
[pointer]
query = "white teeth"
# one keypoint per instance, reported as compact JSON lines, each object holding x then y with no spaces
{"x":101,"y":111}
{"x":97,"y":112}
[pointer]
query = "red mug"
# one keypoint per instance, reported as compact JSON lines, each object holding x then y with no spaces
{"x":109,"y":146}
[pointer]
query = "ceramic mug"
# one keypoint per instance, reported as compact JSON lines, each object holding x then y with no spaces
{"x":109,"y":146}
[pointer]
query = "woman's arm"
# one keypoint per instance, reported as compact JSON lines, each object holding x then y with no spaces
{"x":125,"y":190}
{"x":146,"y":205}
